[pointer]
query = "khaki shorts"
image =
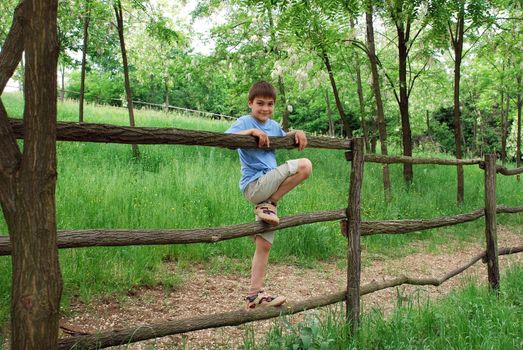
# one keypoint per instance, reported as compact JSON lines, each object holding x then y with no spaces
{"x":262,"y":188}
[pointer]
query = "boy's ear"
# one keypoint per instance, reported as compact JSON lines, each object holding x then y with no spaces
{"x":249,"y":103}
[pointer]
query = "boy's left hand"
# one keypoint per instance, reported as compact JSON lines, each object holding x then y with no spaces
{"x":300,"y":140}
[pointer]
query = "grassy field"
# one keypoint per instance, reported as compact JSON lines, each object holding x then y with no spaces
{"x":471,"y":318}
{"x":102,"y":186}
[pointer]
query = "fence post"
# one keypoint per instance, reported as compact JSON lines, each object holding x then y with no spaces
{"x":352,"y":301}
{"x":490,"y":221}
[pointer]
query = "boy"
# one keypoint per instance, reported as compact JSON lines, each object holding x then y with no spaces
{"x":263,"y":183}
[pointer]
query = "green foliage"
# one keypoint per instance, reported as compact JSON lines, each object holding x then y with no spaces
{"x":470,"y":318}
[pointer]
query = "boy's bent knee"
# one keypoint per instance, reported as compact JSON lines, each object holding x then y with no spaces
{"x":305,"y":166}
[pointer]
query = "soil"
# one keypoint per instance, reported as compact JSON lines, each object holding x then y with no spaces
{"x":204,"y":292}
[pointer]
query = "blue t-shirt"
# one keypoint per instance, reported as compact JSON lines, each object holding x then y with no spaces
{"x":255,"y":162}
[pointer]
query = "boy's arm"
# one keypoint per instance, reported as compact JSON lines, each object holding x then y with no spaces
{"x":263,"y":139}
{"x":300,"y":138}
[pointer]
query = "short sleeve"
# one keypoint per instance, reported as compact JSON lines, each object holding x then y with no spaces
{"x":239,"y":125}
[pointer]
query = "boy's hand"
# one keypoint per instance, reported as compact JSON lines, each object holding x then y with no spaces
{"x":263,"y":139}
{"x":300,"y":139}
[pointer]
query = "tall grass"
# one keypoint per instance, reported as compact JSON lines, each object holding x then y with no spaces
{"x":471,"y":318}
{"x":102,"y":186}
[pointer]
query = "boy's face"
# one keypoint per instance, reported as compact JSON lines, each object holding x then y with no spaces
{"x":262,"y":108}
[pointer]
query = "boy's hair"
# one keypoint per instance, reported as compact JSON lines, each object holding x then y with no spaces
{"x":262,"y":89}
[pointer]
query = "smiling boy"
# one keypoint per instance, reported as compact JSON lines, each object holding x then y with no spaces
{"x":263,"y":182}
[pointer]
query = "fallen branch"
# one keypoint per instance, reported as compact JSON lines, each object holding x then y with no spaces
{"x":235,"y":318}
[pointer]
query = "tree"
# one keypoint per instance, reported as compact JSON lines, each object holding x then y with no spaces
{"x":371,"y":52}
{"x":403,"y":14}
{"x":28,"y":180}
{"x":128,"y":92}
{"x":306,"y":20}
{"x":87,"y":18}
{"x":457,"y":18}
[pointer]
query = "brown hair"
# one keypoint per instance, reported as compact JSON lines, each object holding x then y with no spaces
{"x":262,"y":89}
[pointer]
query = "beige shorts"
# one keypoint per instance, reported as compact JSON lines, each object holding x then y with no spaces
{"x":262,"y":188}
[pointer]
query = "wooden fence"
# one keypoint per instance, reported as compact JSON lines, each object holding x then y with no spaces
{"x":350,"y":219}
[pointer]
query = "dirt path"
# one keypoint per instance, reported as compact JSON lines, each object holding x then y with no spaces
{"x":204,"y":293}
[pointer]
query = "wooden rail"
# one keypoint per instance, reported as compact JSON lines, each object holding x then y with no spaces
{"x":133,"y":334}
{"x":112,"y":238}
{"x":377,"y":158}
{"x":107,"y":133}
{"x":509,"y":172}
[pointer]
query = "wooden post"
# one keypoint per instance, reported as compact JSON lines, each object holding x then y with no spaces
{"x":354,"y":251}
{"x":490,"y":221}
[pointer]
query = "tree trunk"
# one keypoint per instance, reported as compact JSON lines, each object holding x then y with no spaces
{"x":457,"y":43}
{"x":361,"y":99}
{"x":382,"y":128}
{"x":12,"y":48}
{"x":332,"y":130}
{"x":281,"y":85}
{"x":128,"y":92}
{"x":403,"y":37}
{"x":339,"y":105}
{"x":504,"y":133}
{"x":285,"y":112}
{"x":87,"y":17}
{"x":166,"y":94}
{"x":62,"y":85}
{"x":28,"y":183}
{"x":518,"y":141}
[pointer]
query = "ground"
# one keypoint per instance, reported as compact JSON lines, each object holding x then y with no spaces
{"x":205,"y":292}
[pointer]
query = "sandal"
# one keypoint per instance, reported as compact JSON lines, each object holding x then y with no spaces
{"x":267,"y":212}
{"x":260,"y":299}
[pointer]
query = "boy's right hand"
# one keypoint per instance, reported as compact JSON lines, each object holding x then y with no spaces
{"x":263,"y":139}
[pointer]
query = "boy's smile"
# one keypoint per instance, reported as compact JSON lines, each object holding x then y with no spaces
{"x":262,"y":108}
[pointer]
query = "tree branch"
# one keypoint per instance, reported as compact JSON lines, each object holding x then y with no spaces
{"x":12,"y":49}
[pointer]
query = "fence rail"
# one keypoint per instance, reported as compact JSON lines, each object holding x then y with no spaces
{"x":107,"y":133}
{"x":509,"y":172}
{"x":377,"y":158}
{"x":112,"y":238}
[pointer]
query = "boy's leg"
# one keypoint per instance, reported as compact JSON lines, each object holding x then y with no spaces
{"x":303,"y":172}
{"x":256,"y":297}
{"x":259,"y":263}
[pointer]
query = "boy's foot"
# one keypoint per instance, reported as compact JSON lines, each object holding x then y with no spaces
{"x":267,"y":212}
{"x":261,"y":299}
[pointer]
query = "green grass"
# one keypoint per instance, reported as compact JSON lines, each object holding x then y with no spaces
{"x":470,"y":318}
{"x":102,"y":186}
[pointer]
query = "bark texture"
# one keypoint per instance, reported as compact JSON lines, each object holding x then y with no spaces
{"x":354,"y":234}
{"x":375,"y":158}
{"x":12,"y":48}
{"x":31,"y":218}
{"x":139,"y":135}
{"x":490,"y":221}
